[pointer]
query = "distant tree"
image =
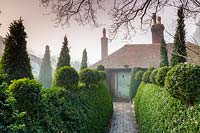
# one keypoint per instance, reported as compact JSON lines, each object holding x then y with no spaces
{"x":64,"y":59}
{"x":179,"y":49}
{"x":15,"y":59}
{"x":45,"y":76}
{"x":84,"y":59}
{"x":163,"y":54}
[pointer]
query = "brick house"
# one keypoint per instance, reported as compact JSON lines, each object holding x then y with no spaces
{"x":118,"y":64}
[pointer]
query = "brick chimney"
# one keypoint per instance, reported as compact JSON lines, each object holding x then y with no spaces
{"x":104,"y":45}
{"x":157,"y":29}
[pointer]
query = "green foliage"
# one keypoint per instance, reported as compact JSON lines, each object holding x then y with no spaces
{"x":134,"y":83}
{"x":182,"y":82}
{"x":66,"y":77}
{"x":102,"y":75}
{"x":146,"y":75}
{"x":156,"y":112}
{"x":27,"y":94}
{"x":161,"y":75}
{"x":11,"y":120}
{"x":45,"y":76}
{"x":84,"y":60}
{"x":64,"y":59}
{"x":163,"y":54}
{"x":153,"y":76}
{"x":88,"y":76}
{"x":84,"y":110}
{"x":138,"y":75}
{"x":100,"y":67}
{"x":179,"y":49}
{"x":15,"y":60}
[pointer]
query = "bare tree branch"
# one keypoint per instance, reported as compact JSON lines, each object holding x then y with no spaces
{"x":124,"y":14}
{"x":82,"y":11}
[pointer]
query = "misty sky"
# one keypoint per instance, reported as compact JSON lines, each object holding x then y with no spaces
{"x":41,"y":30}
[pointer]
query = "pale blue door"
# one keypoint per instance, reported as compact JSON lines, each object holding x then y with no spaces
{"x":122,"y":85}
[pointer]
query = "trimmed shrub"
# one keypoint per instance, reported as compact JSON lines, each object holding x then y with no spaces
{"x":161,"y":75}
{"x":66,"y":77}
{"x":102,"y":75}
{"x":84,"y":110}
{"x":138,"y":75}
{"x":146,"y":75}
{"x":183,"y":82}
{"x":157,"y":111}
{"x":11,"y":120}
{"x":88,"y":76}
{"x":27,"y":94}
{"x":134,"y":83}
{"x":153,"y":76}
{"x":97,"y":76}
{"x":100,"y":67}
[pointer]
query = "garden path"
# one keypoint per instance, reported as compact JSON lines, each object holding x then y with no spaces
{"x":123,"y":120}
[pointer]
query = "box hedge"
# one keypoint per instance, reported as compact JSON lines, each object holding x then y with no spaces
{"x":157,"y":111}
{"x":161,"y":75}
{"x":134,"y":83}
{"x":183,"y":82}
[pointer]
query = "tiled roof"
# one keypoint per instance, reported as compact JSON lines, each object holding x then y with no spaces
{"x":137,"y":55}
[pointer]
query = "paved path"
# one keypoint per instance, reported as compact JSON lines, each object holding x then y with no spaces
{"x":123,"y":120}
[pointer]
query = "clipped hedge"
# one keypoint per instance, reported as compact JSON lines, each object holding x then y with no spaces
{"x":146,"y":75}
{"x":11,"y":120}
{"x":183,"y":82}
{"x":157,"y":111}
{"x":84,"y":110}
{"x":153,"y":76}
{"x":89,"y":76}
{"x":27,"y":94}
{"x":134,"y":83}
{"x":66,"y":77}
{"x":161,"y":75}
{"x":138,"y":75}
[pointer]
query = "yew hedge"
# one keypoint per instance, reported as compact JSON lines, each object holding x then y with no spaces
{"x":157,"y":111}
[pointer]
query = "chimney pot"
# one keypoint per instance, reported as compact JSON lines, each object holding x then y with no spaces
{"x":154,"y":18}
{"x":159,"y":19}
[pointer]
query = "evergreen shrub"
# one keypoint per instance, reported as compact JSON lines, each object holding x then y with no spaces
{"x":88,"y":76}
{"x":66,"y":77}
{"x":182,"y":82}
{"x":161,"y":75}
{"x":134,"y":83}
{"x":158,"y":112}
{"x":153,"y":76}
{"x":84,"y":110}
{"x":11,"y":120}
{"x":146,"y":75}
{"x":138,"y":75}
{"x":100,"y":67}
{"x":27,"y":94}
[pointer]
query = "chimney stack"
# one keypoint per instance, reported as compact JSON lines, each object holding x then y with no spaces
{"x":104,"y":45}
{"x":157,"y":29}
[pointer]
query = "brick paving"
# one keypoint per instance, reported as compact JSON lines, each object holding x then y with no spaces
{"x":123,"y":120}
